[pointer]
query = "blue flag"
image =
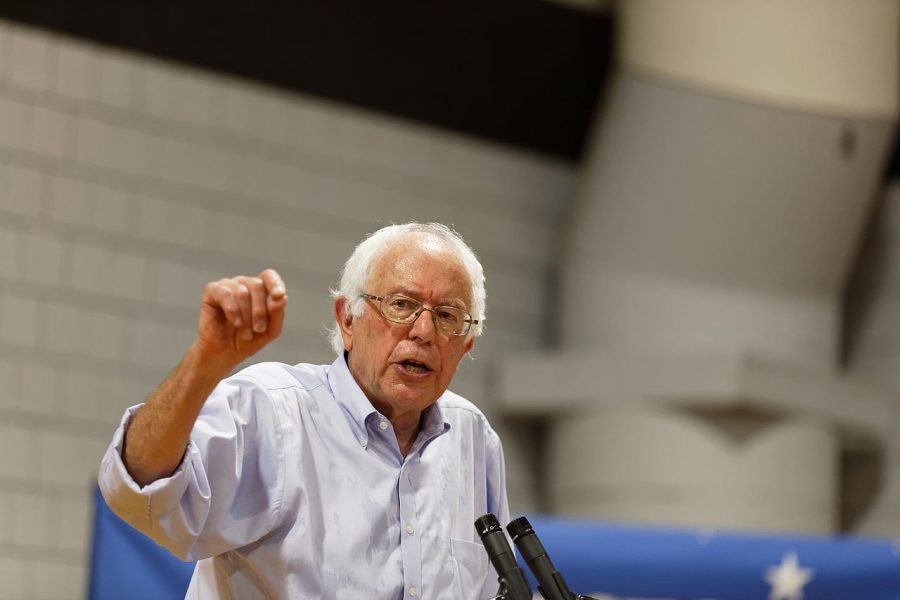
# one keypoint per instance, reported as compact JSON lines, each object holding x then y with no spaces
{"x":610,"y":562}
{"x":127,"y":564}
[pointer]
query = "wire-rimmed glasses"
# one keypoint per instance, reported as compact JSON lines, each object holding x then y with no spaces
{"x":398,"y":308}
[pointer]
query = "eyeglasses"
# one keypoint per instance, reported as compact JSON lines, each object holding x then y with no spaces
{"x":398,"y":308}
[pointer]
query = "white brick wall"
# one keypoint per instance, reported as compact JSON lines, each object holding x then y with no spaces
{"x":126,"y":183}
{"x":23,"y":191}
{"x":10,"y":375}
{"x":17,"y":575}
{"x":32,"y":59}
{"x":19,"y":319}
{"x":55,"y":580}
{"x":18,"y":451}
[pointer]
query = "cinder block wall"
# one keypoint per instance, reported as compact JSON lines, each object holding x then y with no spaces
{"x":127,"y":183}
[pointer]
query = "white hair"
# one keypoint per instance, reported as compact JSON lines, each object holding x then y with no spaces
{"x":357,"y":269}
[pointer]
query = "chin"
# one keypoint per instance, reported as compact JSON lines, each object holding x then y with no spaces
{"x":415,"y":398}
{"x":422,"y":401}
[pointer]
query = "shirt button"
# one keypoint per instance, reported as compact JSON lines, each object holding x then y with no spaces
{"x":382,"y":426}
{"x":363,"y":443}
{"x":410,"y":530}
{"x":413,"y":591}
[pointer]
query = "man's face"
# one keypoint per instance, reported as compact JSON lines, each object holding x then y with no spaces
{"x":384,"y":355}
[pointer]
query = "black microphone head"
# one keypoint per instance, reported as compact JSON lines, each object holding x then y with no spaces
{"x":519,"y":527}
{"x":485,"y":524}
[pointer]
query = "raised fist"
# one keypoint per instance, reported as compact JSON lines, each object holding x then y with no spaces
{"x":239,"y":316}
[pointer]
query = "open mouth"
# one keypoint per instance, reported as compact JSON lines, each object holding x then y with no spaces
{"x":414,"y":367}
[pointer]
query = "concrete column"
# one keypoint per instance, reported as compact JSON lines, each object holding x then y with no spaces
{"x":720,"y":208}
{"x":874,"y":355}
{"x":668,"y":467}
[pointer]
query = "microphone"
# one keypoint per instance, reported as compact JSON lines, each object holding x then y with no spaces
{"x":550,"y":582}
{"x":513,"y":585}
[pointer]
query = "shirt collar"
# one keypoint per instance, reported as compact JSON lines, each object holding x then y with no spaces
{"x":353,"y":400}
{"x":350,"y":396}
{"x":433,"y":421}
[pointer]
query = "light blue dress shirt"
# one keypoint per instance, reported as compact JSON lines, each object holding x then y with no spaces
{"x":293,"y":486}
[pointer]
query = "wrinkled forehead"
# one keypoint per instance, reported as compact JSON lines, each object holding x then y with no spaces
{"x":422,"y":263}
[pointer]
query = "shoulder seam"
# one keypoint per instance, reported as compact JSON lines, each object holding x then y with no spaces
{"x":473,"y":410}
{"x":284,"y":387}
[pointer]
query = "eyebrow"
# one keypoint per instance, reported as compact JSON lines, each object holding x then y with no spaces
{"x":454,"y":303}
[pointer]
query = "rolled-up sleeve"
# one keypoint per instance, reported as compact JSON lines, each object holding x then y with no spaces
{"x":228,"y":490}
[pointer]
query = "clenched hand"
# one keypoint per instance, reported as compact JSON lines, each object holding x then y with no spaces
{"x":239,"y":316}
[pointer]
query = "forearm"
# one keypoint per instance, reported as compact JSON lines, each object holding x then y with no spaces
{"x":238,"y":317}
{"x":159,"y":433}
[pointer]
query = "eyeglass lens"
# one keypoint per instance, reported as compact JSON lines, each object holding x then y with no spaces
{"x":401,"y":309}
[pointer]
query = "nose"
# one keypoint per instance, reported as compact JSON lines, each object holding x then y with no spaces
{"x":424,"y":328}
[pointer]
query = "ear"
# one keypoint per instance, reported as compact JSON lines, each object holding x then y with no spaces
{"x":469,"y":345}
{"x":344,"y":320}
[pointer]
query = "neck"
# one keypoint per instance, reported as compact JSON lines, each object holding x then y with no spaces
{"x":406,"y":425}
{"x":406,"y":428}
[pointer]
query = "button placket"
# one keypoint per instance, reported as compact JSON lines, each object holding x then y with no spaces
{"x":410,"y":548}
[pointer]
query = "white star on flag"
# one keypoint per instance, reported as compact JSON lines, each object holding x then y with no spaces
{"x":787,"y":579}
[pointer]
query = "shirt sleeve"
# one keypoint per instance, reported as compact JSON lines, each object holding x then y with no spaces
{"x":228,"y":490}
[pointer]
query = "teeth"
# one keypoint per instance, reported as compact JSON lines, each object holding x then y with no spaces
{"x":414,"y":368}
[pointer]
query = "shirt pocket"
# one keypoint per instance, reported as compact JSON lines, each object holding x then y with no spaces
{"x":471,"y":563}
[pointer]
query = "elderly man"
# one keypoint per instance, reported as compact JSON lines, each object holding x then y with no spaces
{"x":355,"y":480}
